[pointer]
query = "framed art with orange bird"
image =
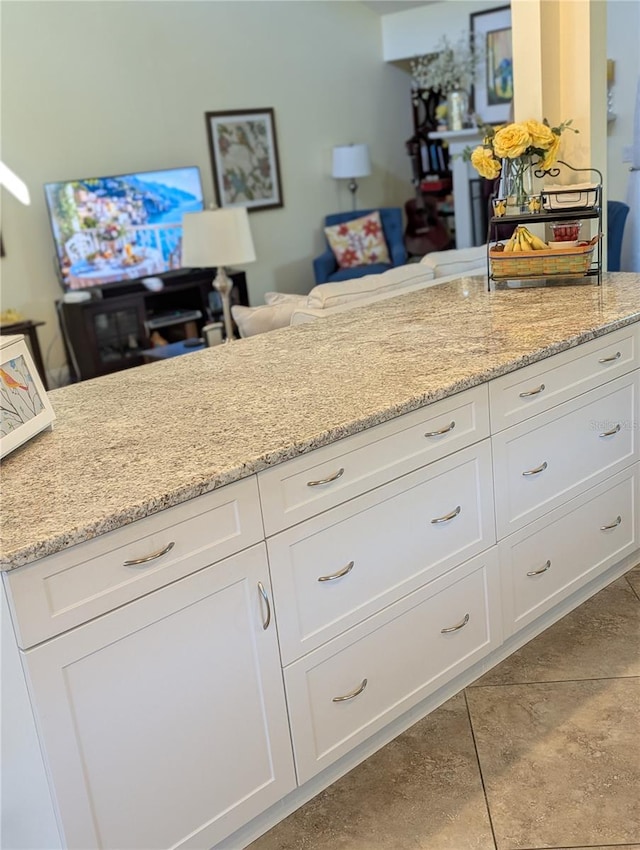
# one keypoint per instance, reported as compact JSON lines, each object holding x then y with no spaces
{"x":25,"y":409}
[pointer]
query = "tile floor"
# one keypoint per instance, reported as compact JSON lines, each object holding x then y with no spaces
{"x":541,"y":752}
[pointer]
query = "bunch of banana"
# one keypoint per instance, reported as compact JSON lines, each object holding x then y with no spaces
{"x":523,"y":240}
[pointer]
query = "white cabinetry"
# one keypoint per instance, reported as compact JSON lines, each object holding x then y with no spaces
{"x":545,"y":461}
{"x":345,"y":691}
{"x":566,"y":472}
{"x":164,"y":722}
{"x":543,"y":563}
{"x":154,"y":670}
{"x":334,"y":570}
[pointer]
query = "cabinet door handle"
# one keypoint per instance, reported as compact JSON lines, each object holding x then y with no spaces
{"x":328,"y":480}
{"x":541,"y":570}
{"x":353,"y":694}
{"x":537,"y":470}
{"x":446,"y":517}
{"x":442,"y":431}
{"x":611,"y":432}
{"x":135,"y":562}
{"x":537,"y":390}
{"x":263,"y":593}
{"x":612,"y":525}
{"x":339,"y":574}
{"x":611,"y":359}
{"x":457,"y":626}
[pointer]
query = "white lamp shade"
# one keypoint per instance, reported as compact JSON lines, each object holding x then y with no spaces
{"x":351,"y":161}
{"x":220,"y":237}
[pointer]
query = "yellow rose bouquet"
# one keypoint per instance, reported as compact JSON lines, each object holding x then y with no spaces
{"x":518,"y":148}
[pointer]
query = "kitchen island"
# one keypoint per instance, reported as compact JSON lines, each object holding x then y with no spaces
{"x":176,"y":497}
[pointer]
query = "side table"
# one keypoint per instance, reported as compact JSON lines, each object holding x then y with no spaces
{"x":28,"y":328}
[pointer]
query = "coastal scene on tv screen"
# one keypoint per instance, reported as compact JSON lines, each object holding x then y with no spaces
{"x":112,"y":229}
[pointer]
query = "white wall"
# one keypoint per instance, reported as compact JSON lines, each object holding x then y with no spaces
{"x":98,"y":88}
{"x":623,"y":46}
{"x":415,"y":32}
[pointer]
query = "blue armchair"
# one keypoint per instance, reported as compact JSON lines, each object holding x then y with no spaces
{"x":617,"y":213}
{"x":325,"y":267}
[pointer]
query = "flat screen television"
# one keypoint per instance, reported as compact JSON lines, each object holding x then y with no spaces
{"x":109,"y":230}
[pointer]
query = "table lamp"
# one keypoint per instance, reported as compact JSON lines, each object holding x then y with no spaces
{"x":351,"y":161}
{"x":218,"y":237}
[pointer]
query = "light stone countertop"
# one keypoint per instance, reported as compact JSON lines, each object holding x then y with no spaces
{"x":129,"y":444}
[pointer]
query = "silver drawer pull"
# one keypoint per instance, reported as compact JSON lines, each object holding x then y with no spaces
{"x":611,"y":432}
{"x":611,"y":359}
{"x":613,"y":524}
{"x":537,"y":390}
{"x":339,"y":574}
{"x":537,"y":470}
{"x":328,"y":480}
{"x":446,"y":517}
{"x":135,"y":562}
{"x":353,"y":694}
{"x":442,"y":431}
{"x":263,"y":593}
{"x":541,"y":570}
{"x":457,"y":627}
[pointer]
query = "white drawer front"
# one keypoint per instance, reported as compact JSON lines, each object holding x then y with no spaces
{"x":337,"y":569}
{"x":73,"y":586}
{"x":536,"y":388}
{"x":293,"y":491}
{"x":544,"y":462}
{"x":404,"y":653}
{"x":549,"y":559}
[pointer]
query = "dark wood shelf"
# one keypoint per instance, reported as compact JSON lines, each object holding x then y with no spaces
{"x":109,"y":332}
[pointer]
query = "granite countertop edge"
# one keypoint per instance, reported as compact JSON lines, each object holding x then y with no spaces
{"x":131,"y":513}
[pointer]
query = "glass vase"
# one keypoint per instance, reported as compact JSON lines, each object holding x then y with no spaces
{"x":516,"y":184}
{"x":457,"y":109}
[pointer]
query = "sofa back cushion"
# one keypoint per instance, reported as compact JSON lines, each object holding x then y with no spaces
{"x":455,"y":261}
{"x":266,"y":317}
{"x":327,"y":295}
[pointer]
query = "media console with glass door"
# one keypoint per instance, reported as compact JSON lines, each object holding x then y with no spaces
{"x":109,"y":333}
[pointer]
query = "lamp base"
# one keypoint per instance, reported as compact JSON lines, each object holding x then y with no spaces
{"x":353,"y":188}
{"x":223,"y":284}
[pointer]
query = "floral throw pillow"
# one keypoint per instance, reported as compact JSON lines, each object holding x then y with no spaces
{"x":359,"y":242}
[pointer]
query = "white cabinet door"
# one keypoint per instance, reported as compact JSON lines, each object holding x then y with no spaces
{"x":164,"y":722}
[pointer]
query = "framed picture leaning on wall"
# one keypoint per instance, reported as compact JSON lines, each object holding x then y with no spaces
{"x":493,"y":90}
{"x":25,"y":409}
{"x":244,"y":158}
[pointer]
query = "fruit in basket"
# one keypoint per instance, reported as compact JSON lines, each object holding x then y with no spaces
{"x":565,"y":231}
{"x":523,"y":240}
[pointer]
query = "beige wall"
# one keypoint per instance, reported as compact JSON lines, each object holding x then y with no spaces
{"x":93,"y":88}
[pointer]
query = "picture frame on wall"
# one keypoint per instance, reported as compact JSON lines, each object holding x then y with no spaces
{"x":244,"y":158}
{"x":492,"y":93}
{"x":25,"y":409}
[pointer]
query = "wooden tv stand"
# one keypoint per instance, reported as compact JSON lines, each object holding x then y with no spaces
{"x":110,"y":332}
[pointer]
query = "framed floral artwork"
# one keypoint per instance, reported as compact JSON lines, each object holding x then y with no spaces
{"x":493,"y":90}
{"x":25,"y":409}
{"x":244,"y":158}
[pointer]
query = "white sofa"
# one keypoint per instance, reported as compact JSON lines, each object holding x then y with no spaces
{"x":284,"y":309}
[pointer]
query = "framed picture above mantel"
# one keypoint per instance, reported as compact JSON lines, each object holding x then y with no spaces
{"x":244,"y":158}
{"x":492,"y":93}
